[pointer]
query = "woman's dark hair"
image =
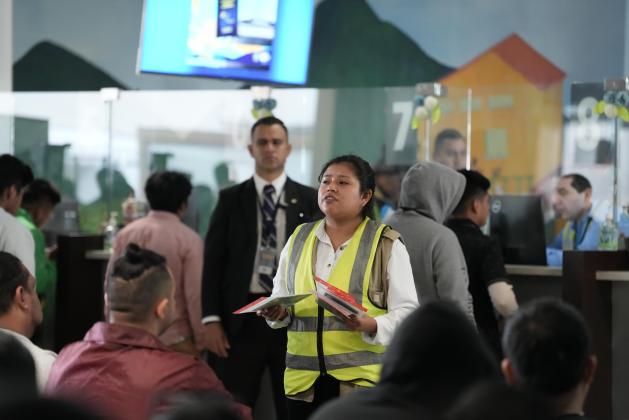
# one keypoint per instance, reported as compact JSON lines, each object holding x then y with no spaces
{"x":364,"y":173}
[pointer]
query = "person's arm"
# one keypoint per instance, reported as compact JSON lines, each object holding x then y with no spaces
{"x":278,"y":317}
{"x":45,"y":269}
{"x":401,"y":298}
{"x":215,"y":255}
{"x":450,"y":273}
{"x":191,"y":282}
{"x":22,"y":245}
{"x":495,"y":277}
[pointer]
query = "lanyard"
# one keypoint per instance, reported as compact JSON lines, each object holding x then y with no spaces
{"x":587,"y":226}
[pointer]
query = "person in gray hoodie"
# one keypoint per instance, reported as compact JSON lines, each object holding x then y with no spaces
{"x":430,"y":192}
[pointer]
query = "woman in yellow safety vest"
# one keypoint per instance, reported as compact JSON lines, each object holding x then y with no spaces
{"x":328,"y":356}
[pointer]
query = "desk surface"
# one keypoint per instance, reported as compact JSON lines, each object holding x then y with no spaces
{"x":612,"y":275}
{"x":533,"y":270}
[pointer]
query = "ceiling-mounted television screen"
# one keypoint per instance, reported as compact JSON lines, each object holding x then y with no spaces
{"x":258,"y":40}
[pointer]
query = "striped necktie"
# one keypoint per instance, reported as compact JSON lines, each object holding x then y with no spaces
{"x":269,"y":238}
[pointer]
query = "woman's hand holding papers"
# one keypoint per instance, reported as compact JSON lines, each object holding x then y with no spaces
{"x":365,"y":324}
{"x":274,"y":313}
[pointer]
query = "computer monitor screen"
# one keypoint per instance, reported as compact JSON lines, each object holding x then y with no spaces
{"x":257,"y":40}
{"x":517,"y":222}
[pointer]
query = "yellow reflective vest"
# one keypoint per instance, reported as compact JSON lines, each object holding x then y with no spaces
{"x":318,"y":342}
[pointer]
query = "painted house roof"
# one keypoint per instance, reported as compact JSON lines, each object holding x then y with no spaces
{"x":520,"y":56}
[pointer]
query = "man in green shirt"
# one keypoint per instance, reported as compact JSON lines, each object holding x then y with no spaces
{"x":40,"y":199}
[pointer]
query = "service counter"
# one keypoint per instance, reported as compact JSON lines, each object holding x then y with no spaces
{"x":532,"y":281}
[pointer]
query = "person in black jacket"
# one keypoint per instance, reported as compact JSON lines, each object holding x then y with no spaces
{"x":247,"y":232}
{"x":489,"y":286}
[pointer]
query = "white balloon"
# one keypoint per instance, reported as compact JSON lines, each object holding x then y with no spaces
{"x":430,"y":103}
{"x":611,"y":111}
{"x":421,"y":112}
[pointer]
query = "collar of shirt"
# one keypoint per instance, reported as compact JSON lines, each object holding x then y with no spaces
{"x":163,"y":215}
{"x":323,"y":237}
{"x":278,"y":183}
{"x":25,"y":217}
{"x":124,"y":335}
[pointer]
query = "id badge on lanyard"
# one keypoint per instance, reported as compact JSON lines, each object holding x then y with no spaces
{"x":266,"y":261}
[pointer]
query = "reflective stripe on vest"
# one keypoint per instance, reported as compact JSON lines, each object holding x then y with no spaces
{"x":347,"y":356}
{"x":336,"y":361}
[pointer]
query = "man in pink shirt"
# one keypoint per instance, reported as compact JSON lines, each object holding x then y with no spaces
{"x":121,"y":369}
{"x":163,"y":232}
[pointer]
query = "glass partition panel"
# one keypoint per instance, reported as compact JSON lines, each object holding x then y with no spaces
{"x":514,"y":132}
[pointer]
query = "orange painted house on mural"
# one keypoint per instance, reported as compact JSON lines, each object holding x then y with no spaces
{"x":516,"y":114}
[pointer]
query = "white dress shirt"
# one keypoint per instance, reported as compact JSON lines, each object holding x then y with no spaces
{"x":16,"y":239}
{"x":43,"y":358}
{"x":402,"y":297}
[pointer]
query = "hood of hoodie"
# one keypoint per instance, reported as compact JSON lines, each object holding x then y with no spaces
{"x":432,"y":189}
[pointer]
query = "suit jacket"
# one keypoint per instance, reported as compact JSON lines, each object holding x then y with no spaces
{"x":231,"y":241}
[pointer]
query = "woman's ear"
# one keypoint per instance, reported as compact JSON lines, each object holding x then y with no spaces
{"x":366,"y":196}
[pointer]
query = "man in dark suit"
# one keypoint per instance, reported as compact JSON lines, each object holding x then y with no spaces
{"x":247,"y":232}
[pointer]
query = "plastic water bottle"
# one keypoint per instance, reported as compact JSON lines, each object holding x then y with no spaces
{"x":608,"y":240}
{"x":110,"y":230}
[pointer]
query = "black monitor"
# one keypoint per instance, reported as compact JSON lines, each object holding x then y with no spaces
{"x":517,"y":222}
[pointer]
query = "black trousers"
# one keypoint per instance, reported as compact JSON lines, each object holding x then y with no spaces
{"x":254,"y":348}
{"x":326,"y":388}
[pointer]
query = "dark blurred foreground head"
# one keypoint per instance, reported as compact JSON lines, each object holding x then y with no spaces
{"x":435,"y":355}
{"x":498,"y":401}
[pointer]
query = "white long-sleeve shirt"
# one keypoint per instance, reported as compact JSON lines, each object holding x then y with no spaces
{"x":402,"y":296}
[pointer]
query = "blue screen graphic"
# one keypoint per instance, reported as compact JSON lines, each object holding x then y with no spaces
{"x":259,"y":40}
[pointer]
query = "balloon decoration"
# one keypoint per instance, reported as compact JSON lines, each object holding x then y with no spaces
{"x":425,"y":108}
{"x":263,"y":108}
{"x":614,"y":104}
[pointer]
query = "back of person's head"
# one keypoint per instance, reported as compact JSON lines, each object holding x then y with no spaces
{"x":139,"y":281}
{"x":195,"y":406}
{"x":445,"y":135}
{"x":12,"y":275}
{"x":578,"y":182}
{"x":167,"y":190}
{"x":40,"y":192}
{"x":14,"y":173}
{"x":270,"y":120}
{"x":547,"y":346}
{"x":45,"y":408}
{"x":17,"y":370}
{"x":497,"y":401}
{"x":435,"y":355}
{"x":476,"y":187}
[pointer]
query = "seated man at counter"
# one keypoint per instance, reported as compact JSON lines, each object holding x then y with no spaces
{"x":488,"y":283}
{"x":548,"y":351}
{"x":573,"y":202}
